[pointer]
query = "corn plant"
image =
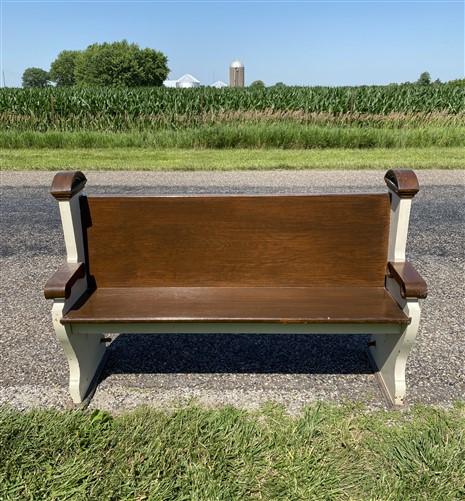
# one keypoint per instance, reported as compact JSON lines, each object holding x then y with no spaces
{"x":128,"y":108}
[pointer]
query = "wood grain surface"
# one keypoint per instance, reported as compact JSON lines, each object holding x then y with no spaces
{"x":239,"y":304}
{"x":238,"y":241}
{"x":60,"y":283}
{"x":411,"y":283}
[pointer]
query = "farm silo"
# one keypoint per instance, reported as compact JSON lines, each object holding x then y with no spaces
{"x":236,"y":74}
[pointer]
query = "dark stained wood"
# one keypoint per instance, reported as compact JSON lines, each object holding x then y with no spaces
{"x":59,"y":285}
{"x":404,"y":182}
{"x":239,"y":304}
{"x":410,"y":281}
{"x":67,"y":183}
{"x":238,"y":241}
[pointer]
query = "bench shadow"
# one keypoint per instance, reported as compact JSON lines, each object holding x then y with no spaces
{"x":237,"y":353}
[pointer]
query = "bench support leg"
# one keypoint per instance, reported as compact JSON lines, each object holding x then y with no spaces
{"x":390,"y":353}
{"x":84,"y":353}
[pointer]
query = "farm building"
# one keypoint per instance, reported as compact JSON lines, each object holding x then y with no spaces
{"x":185,"y":82}
{"x":219,"y":84}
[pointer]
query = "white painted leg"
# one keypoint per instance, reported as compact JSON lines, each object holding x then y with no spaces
{"x":390,"y":355}
{"x":83,"y":351}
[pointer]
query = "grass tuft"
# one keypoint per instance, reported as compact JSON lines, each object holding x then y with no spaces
{"x":329,"y":452}
{"x":285,"y":135}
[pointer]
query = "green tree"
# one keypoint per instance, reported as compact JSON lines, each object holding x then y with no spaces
{"x":121,"y":64}
{"x":63,"y":68}
{"x":258,"y":84}
{"x":424,"y":79}
{"x":35,"y":77}
{"x":280,"y":84}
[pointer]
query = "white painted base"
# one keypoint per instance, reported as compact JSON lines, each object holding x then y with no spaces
{"x":84,"y":353}
{"x":234,"y":328}
{"x":390,"y":354}
{"x":84,"y":349}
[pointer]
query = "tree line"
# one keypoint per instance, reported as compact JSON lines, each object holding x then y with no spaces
{"x":125,"y":65}
{"x":107,"y":64}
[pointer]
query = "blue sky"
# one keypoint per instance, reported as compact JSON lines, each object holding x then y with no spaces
{"x":300,"y":42}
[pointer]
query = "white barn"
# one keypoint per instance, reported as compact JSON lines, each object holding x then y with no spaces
{"x":187,"y":81}
{"x":170,"y":83}
{"x":219,"y":84}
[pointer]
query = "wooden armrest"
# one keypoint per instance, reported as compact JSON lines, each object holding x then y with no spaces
{"x":66,"y":184}
{"x":60,"y":284}
{"x":411,"y":283}
{"x":403,"y":182}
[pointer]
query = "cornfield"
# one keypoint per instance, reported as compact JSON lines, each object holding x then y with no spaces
{"x":122,"y":109}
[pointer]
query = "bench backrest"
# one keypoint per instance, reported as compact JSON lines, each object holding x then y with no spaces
{"x":297,"y":240}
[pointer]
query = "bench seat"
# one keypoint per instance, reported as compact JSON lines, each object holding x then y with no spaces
{"x":238,"y":304}
{"x":235,"y":264}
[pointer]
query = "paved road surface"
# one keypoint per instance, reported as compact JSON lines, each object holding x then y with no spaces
{"x":244,"y":370}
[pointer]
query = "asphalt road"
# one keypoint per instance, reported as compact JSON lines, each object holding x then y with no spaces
{"x":244,"y":370}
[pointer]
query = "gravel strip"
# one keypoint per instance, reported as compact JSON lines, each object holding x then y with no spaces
{"x":244,"y":179}
{"x":243,"y":370}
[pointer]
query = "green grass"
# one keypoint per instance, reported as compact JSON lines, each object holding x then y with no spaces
{"x":287,"y":135}
{"x":225,"y":159}
{"x":327,"y":453}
